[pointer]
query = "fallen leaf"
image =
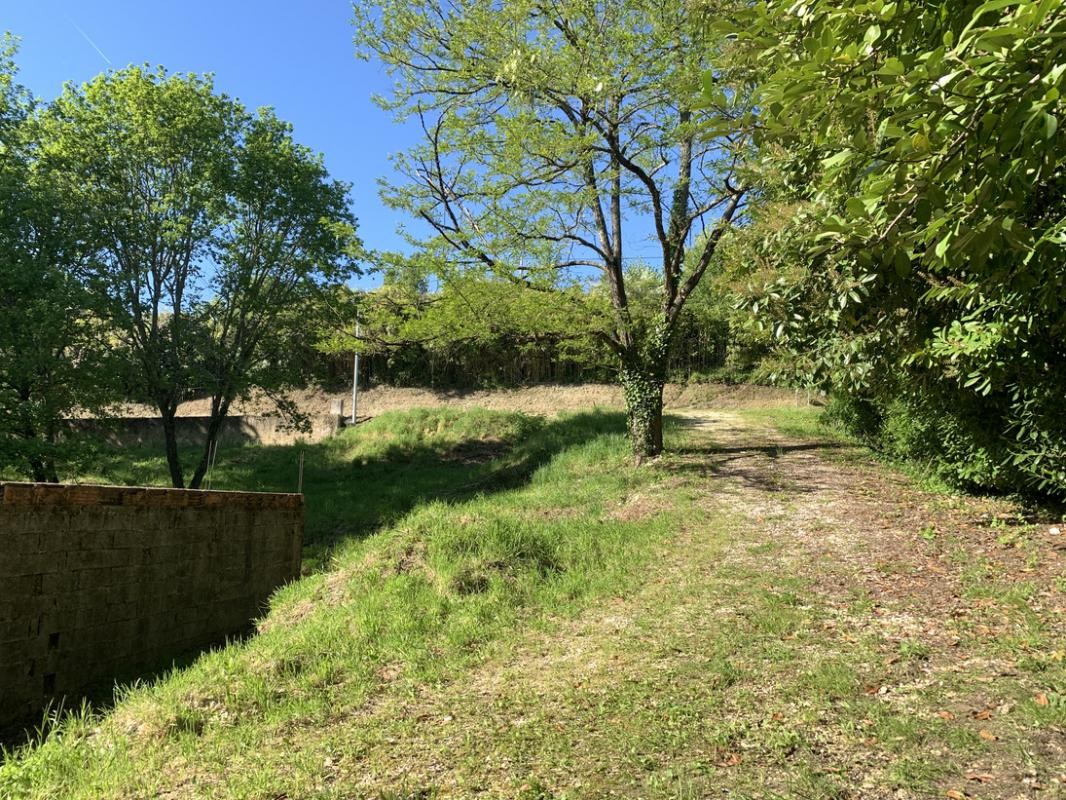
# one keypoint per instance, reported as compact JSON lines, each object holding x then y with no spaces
{"x":872,"y":689}
{"x":955,"y":794}
{"x":732,"y":761}
{"x":1040,"y":699}
{"x":980,"y":777}
{"x":987,"y":735}
{"x":982,"y":714}
{"x":945,"y":715}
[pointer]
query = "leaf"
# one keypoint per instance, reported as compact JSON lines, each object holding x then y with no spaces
{"x":955,"y":794}
{"x":731,"y":761}
{"x":1051,"y":124}
{"x":1041,"y":699}
{"x":892,"y":67}
{"x":855,"y":207}
{"x":991,"y":5}
{"x":837,"y":160}
{"x":987,"y":735}
{"x":980,"y":777}
{"x":942,"y":247}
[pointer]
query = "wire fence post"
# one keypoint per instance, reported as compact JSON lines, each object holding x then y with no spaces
{"x":355,"y":375}
{"x":212,"y":456}
{"x":300,"y":478}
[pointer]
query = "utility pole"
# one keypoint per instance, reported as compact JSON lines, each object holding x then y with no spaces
{"x":355,"y":375}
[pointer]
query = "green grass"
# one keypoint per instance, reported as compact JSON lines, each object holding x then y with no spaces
{"x":508,"y":608}
{"x":368,"y":477}
{"x":464,"y":556}
{"x":800,"y":422}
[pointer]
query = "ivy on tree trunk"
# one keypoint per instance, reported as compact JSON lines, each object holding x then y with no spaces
{"x":643,"y":392}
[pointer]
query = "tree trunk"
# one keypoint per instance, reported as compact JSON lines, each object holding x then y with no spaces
{"x":51,"y":436}
{"x":39,"y":470}
{"x":170,"y":437}
{"x":219,"y":411}
{"x":642,"y":387}
{"x":38,"y":464}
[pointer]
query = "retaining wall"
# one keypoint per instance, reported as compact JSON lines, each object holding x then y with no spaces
{"x":246,"y":429}
{"x":98,"y":582}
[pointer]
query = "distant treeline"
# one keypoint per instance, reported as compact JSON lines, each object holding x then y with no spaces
{"x":701,"y":352}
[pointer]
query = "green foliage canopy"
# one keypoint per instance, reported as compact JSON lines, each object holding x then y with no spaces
{"x":206,"y":224}
{"x":53,"y":347}
{"x":919,"y":146}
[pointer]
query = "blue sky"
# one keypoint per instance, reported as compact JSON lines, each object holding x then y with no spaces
{"x":295,"y":55}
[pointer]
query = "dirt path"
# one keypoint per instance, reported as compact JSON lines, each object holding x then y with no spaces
{"x":818,"y":627}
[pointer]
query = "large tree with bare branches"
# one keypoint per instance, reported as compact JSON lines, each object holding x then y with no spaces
{"x":557,"y":133}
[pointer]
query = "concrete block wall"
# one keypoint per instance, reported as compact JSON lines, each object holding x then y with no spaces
{"x":103,"y":581}
{"x":236,"y":430}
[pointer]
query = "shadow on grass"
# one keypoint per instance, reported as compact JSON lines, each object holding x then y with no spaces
{"x":352,"y":498}
{"x":100,"y":697}
{"x":368,"y":477}
{"x":754,"y":465}
{"x":355,"y":484}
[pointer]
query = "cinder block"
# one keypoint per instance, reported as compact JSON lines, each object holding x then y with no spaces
{"x":20,"y":586}
{"x":90,"y":541}
{"x":32,"y":564}
{"x":96,"y":580}
{"x":93,"y":578}
{"x":13,"y":631}
{"x":16,"y":543}
{"x":102,"y":557}
{"x":90,"y":615}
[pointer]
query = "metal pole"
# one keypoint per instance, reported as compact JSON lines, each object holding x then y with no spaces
{"x":355,"y":375}
{"x":300,"y":479}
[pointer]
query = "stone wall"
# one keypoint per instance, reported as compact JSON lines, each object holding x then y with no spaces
{"x":240,"y":429}
{"x":98,"y":582}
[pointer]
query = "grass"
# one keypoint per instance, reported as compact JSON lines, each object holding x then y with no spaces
{"x":370,"y":476}
{"x":464,"y":556}
{"x":529,"y":616}
{"x":809,"y":423}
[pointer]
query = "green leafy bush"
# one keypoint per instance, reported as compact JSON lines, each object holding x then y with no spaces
{"x":912,"y":234}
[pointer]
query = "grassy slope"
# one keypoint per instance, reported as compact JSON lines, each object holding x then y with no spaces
{"x":445,"y":580}
{"x":715,"y":624}
{"x":369,"y":477}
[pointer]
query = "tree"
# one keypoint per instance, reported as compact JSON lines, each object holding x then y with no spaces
{"x":207,"y":223}
{"x":52,"y":345}
{"x":285,"y":235}
{"x":554,"y":134}
{"x":918,"y":149}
